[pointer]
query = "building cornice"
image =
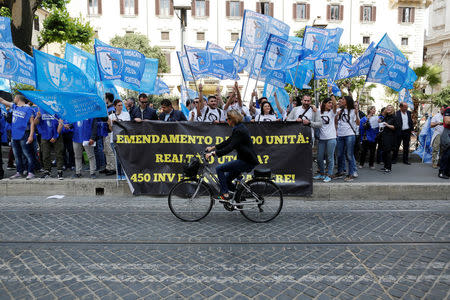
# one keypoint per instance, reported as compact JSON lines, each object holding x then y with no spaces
{"x":437,"y":39}
{"x":420,"y":3}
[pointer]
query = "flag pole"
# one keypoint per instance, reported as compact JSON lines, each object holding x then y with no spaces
{"x":190,"y":68}
{"x":296,"y":71}
{"x":248,"y":79}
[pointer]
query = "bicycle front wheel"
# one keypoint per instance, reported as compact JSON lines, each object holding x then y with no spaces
{"x":263,"y":203}
{"x":189,"y":200}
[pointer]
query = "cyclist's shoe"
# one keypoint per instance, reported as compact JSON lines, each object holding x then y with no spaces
{"x":223,"y":199}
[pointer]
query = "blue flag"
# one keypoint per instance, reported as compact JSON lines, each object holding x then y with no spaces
{"x":360,"y":67}
{"x":302,"y":74}
{"x":328,"y":67}
{"x":4,"y":85}
{"x":323,"y":43}
{"x":224,"y":66}
{"x":240,"y":61}
{"x":334,"y":88}
{"x":185,"y":95}
{"x":425,"y":148}
{"x":150,"y":74}
{"x":200,"y":61}
{"x":184,"y":66}
{"x":17,"y":66}
{"x":107,"y":86}
{"x":411,"y":77}
{"x":389,"y":66}
{"x":405,"y":96}
{"x":282,"y":95}
{"x":160,"y":87}
{"x":83,"y":60}
{"x":116,"y":63}
{"x":256,"y":29}
{"x":59,"y":75}
{"x":5,"y":33}
{"x":71,"y":107}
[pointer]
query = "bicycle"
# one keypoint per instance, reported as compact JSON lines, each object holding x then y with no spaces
{"x":258,"y":199}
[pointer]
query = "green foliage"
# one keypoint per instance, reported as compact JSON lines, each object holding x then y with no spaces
{"x":52,"y":4}
{"x":60,"y":27}
{"x":5,"y":12}
{"x":15,"y":87}
{"x":156,"y":100}
{"x":300,"y":33}
{"x":442,"y":98}
{"x":141,"y":43}
{"x":428,"y":75}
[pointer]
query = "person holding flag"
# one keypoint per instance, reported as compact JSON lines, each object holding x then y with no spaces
{"x":209,"y":112}
{"x":306,"y":114}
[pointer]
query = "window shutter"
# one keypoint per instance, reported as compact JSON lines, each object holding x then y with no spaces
{"x":400,"y":11}
{"x":227,"y":8}
{"x":99,"y":7}
{"x":308,"y":11}
{"x":207,"y":8}
{"x":413,"y":14}
{"x":361,"y":13}
{"x":374,"y":13}
{"x":193,"y":8}
{"x":242,"y":8}
{"x":122,"y":7}
{"x":258,"y":7}
{"x":294,"y":11}
{"x":328,"y":12}
{"x":341,"y":12}
{"x":171,"y":7}
{"x":271,"y":9}
{"x":157,"y":7}
{"x":136,"y":7}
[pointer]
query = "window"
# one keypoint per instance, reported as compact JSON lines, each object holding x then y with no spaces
{"x":200,"y":36}
{"x":264,"y":8}
{"x":129,"y":7}
{"x":164,"y":7}
{"x":406,"y":14}
{"x":165,"y":35}
{"x":167,"y":55}
{"x":200,"y":8}
{"x":300,"y":9}
{"x":93,"y":7}
{"x":129,"y":32}
{"x":235,"y":9}
{"x":334,"y":12}
{"x":367,"y":13}
{"x":404,"y":41}
{"x":366,"y":39}
{"x":234,"y":36}
{"x":36,"y":23}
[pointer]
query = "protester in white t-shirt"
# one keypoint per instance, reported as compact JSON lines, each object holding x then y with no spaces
{"x":208,"y":111}
{"x":347,"y":126}
{"x":234,"y":102}
{"x":437,"y":122}
{"x":118,"y":116}
{"x":267,"y":113}
{"x":327,"y":139}
{"x":306,"y":114}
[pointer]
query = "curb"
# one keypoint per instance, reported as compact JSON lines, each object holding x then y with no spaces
{"x":322,"y":191}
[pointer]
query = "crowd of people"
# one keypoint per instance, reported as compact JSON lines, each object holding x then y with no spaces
{"x":340,"y":130}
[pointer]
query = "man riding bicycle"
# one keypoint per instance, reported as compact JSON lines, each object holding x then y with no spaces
{"x":240,"y":140}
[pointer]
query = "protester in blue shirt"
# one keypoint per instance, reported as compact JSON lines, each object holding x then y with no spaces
{"x":22,"y":132}
{"x":169,"y":114}
{"x":368,"y":128}
{"x":51,"y":140}
{"x":84,"y":135}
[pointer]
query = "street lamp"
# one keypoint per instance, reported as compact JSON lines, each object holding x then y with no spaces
{"x":183,"y":6}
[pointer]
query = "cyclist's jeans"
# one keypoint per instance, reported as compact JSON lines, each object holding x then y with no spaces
{"x":229,"y":171}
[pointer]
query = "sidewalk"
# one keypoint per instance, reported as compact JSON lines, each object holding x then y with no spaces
{"x":417,"y":181}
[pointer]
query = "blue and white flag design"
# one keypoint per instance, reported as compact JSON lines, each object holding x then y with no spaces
{"x":17,"y":66}
{"x":5,"y":33}
{"x":150,"y":73}
{"x":240,"y":61}
{"x":184,"y":66}
{"x":302,"y":74}
{"x":334,"y":88}
{"x":186,"y":94}
{"x":199,"y":61}
{"x":107,"y":87}
{"x":83,"y":60}
{"x":389,"y":66}
{"x":223,"y":65}
{"x":328,"y":68}
{"x":4,"y":85}
{"x":256,"y":29}
{"x":425,"y":148}
{"x":59,"y":75}
{"x":411,"y":77}
{"x":405,"y":96}
{"x":71,"y":107}
{"x":160,"y":87}
{"x":360,"y":67}
{"x":282,"y":95}
{"x":116,"y":63}
{"x":323,"y":43}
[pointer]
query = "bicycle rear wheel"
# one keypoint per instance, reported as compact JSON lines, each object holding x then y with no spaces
{"x":264,"y":202}
{"x":189,"y":200}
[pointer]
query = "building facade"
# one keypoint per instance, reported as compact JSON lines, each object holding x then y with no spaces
{"x":220,"y":21}
{"x":437,"y":41}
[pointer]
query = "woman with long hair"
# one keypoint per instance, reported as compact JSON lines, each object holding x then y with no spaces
{"x":347,"y":125}
{"x":327,"y":139}
{"x":267,"y":113}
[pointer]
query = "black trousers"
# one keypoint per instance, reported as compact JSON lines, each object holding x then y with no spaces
{"x":404,"y":138}
{"x":370,"y":147}
{"x":444,"y":165}
{"x":388,"y":143}
{"x":69,"y":156}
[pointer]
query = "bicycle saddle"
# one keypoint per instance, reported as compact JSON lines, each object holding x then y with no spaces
{"x":262,"y":173}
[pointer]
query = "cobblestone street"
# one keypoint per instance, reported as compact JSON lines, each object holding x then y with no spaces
{"x":131,"y":248}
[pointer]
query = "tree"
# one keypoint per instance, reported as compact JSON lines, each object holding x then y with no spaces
{"x":141,"y":43}
{"x":442,"y":98}
{"x":58,"y":27}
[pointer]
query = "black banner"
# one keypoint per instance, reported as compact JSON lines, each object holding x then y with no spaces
{"x":152,"y":153}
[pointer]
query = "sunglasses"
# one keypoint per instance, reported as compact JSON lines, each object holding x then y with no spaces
{"x":144,"y":102}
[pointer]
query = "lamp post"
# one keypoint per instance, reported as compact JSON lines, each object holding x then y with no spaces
{"x":183,"y":6}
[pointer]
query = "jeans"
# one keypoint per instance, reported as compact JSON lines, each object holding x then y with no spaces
{"x":20,"y":147}
{"x":328,"y":146}
{"x":229,"y":171}
{"x":345,"y":148}
{"x":99,"y":154}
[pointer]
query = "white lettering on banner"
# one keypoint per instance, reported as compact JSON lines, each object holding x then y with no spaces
{"x":400,"y":67}
{"x":131,"y":80}
{"x":108,"y":49}
{"x":132,"y":53}
{"x":132,"y":63}
{"x":130,"y":71}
